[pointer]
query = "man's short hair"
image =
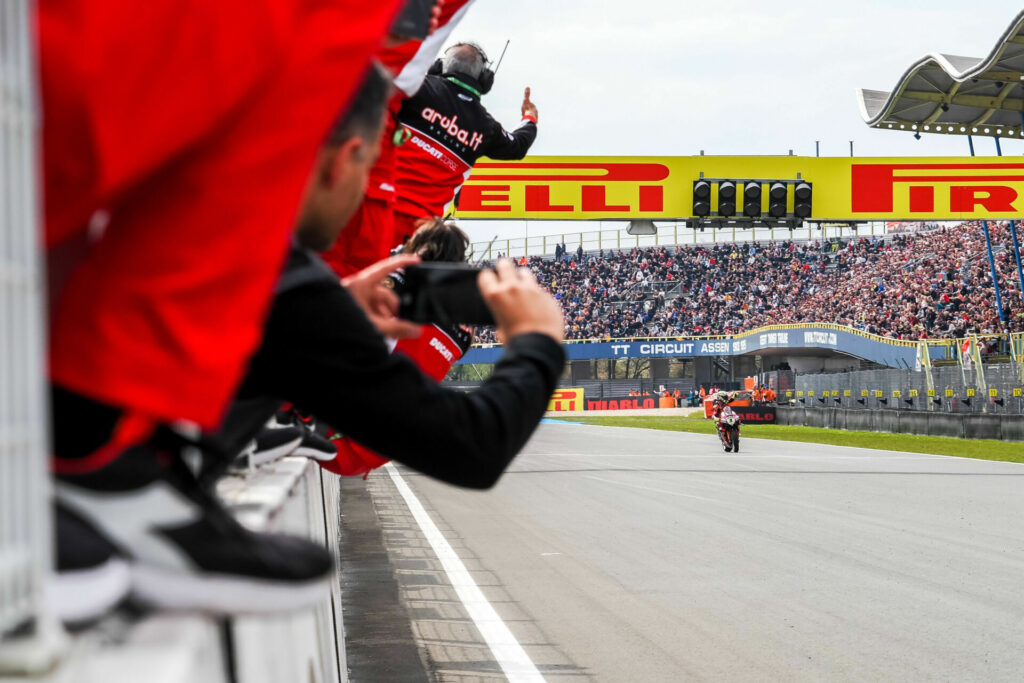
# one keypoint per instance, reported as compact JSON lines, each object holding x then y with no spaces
{"x":465,"y":58}
{"x":365,"y":111}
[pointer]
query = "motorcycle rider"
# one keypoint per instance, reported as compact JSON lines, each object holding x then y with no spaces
{"x":720,"y":400}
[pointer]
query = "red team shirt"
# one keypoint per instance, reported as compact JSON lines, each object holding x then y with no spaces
{"x":194,"y":124}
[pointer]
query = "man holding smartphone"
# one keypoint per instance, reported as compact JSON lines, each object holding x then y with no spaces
{"x":323,"y":348}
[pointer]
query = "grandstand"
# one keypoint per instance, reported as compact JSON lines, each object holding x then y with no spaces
{"x":910,"y":286}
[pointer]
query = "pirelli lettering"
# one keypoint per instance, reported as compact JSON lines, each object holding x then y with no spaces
{"x":564,"y":400}
{"x":980,"y":190}
{"x":590,"y":188}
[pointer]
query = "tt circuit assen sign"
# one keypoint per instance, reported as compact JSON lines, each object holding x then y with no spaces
{"x":771,"y":340}
{"x":845,"y":188}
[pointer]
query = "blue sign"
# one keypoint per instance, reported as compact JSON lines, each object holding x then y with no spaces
{"x":847,"y":341}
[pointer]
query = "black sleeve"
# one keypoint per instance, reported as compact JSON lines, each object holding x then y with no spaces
{"x":321,"y":353}
{"x":502,"y":144}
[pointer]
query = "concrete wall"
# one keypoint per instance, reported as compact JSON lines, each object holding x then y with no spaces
{"x":958,"y":425}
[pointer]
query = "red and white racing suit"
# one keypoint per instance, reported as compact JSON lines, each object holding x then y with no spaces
{"x":449,"y":130}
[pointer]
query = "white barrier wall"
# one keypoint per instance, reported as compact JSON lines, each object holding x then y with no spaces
{"x":292,"y":496}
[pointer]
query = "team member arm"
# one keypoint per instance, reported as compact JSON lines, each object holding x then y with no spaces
{"x":505,"y":145}
{"x":323,"y":354}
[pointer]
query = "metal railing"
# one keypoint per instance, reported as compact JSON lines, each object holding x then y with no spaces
{"x":949,"y":345}
{"x":667,"y":235}
{"x":25,"y":518}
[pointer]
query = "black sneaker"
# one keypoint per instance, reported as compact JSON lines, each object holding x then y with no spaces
{"x":284,"y":417}
{"x":275,"y":443}
{"x":316,"y":447}
{"x":186,"y":551}
{"x":92,"y":577}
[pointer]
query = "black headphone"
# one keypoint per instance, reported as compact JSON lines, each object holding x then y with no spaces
{"x":486,"y":78}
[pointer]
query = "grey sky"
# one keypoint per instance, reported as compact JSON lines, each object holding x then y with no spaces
{"x":663,"y":77}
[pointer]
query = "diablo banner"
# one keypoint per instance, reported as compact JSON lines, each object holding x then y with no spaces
{"x":758,"y":415}
{"x":845,"y":188}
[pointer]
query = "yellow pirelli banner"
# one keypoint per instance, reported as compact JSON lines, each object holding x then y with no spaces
{"x":564,"y":400}
{"x":844,"y":188}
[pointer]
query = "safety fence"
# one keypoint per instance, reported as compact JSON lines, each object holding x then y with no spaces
{"x":918,"y":422}
{"x":666,"y":235}
{"x":25,"y":526}
{"x":992,"y":388}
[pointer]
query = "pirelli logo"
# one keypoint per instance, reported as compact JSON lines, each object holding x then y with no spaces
{"x":968,"y":189}
{"x":565,"y":400}
{"x":567,"y":188}
{"x":845,"y":188}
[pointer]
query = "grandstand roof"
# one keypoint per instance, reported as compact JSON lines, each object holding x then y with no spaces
{"x":954,"y":95}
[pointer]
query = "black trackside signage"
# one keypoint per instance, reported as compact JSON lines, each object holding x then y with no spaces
{"x":757,"y":414}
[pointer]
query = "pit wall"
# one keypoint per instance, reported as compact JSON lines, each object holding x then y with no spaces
{"x":958,"y":425}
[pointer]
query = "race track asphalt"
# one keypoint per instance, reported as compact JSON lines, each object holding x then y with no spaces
{"x":620,"y":554}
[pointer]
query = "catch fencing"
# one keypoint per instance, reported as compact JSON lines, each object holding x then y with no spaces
{"x":666,"y":235}
{"x":25,"y":520}
{"x":991,"y":389}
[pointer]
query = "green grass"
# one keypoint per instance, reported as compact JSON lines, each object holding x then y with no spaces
{"x":1006,"y":451}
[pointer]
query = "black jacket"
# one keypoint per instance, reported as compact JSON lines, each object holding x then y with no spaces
{"x":449,"y":130}
{"x":321,"y":353}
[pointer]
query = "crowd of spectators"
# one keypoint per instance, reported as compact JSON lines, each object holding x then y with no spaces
{"x":920,"y":285}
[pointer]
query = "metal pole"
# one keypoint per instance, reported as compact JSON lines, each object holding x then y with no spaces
{"x":851,"y":148}
{"x":817,"y":148}
{"x":991,"y":258}
{"x":1013,"y":230}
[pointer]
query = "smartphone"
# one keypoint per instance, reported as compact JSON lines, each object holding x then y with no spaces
{"x":414,"y":19}
{"x":442,"y":293}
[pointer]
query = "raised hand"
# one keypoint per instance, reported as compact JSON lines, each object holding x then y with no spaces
{"x":529,"y":108}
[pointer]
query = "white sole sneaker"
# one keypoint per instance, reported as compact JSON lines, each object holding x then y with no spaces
{"x":315,"y":454}
{"x":85,"y":595}
{"x":222,"y":594}
{"x":258,"y":458}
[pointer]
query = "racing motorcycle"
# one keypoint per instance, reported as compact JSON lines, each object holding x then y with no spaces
{"x":729,"y":430}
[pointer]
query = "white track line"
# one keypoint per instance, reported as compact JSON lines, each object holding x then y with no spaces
{"x":507,"y":651}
